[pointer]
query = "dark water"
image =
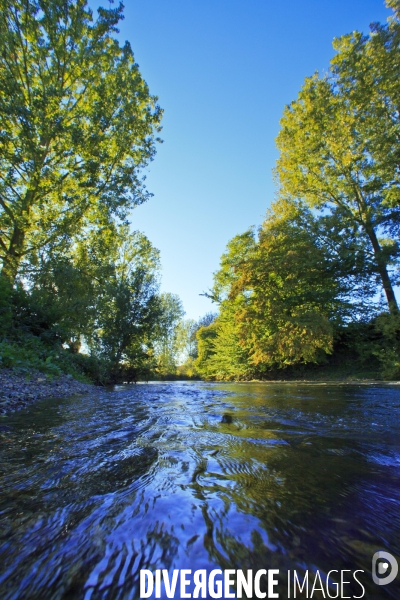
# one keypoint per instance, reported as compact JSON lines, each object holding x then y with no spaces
{"x":192,"y":476}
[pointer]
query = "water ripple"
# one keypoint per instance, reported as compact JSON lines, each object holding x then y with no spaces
{"x":188,"y":475}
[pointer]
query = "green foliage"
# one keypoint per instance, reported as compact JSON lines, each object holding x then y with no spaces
{"x":168,"y":339}
{"x":278,"y":296}
{"x":292,"y":289}
{"x":187,"y":370}
{"x":99,"y":295}
{"x":288,"y":296}
{"x":5,"y":306}
{"x":77,"y":124}
{"x":220,"y":354}
{"x":387,"y":347}
{"x":339,"y":146}
{"x":306,"y":286}
{"x":127,"y":307}
{"x":367,"y":68}
{"x":186,"y":338}
{"x":304,"y":290}
{"x":35,"y":355}
{"x":79,"y":292}
{"x":188,"y":343}
{"x":206,"y":337}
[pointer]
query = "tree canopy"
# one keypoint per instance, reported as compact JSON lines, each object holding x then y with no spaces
{"x":77,"y":123}
{"x":306,"y":284}
{"x":339,"y":142}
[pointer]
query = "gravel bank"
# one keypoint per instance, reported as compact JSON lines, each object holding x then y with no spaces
{"x":17,"y":391}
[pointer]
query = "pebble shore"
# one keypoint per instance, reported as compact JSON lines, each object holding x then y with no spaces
{"x":17,"y":391}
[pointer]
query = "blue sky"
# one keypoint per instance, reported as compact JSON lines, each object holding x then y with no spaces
{"x":223,"y":71}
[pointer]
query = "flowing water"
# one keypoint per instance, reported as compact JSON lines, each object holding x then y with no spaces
{"x":198,"y":476}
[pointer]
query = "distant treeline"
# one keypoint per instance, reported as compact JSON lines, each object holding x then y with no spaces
{"x":315,"y":284}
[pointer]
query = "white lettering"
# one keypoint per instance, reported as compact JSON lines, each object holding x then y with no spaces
{"x":184,"y":583}
{"x":170,"y":588}
{"x":332,"y":584}
{"x":150,"y":579}
{"x":305,"y":583}
{"x":216,"y":591}
{"x":319,"y":589}
{"x":343,"y":582}
{"x":272,"y":583}
{"x":257,"y":591}
{"x":158,"y":583}
{"x":359,"y":582}
{"x":243,"y":584}
{"x":200,"y":579}
{"x":228,"y":582}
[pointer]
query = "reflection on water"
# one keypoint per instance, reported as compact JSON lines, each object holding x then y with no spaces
{"x":187,"y":475}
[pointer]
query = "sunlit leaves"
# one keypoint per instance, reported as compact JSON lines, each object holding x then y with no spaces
{"x":77,"y":123}
{"x":339,"y":142}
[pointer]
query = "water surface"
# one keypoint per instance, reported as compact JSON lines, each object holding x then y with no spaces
{"x":195,"y":475}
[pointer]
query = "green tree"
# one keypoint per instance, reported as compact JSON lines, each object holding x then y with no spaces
{"x":206,"y":338}
{"x":221,"y":355}
{"x":339,"y":147}
{"x":167,"y":339}
{"x":286,"y":291}
{"x":284,"y":294}
{"x":186,"y":337}
{"x":189,"y":343}
{"x":187,"y":334}
{"x":77,"y":123}
{"x":128,"y":308}
{"x":368,"y":70}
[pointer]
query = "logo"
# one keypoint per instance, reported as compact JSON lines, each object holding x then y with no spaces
{"x":385,"y":564}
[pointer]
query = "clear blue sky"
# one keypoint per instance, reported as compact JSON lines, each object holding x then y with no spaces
{"x":223,"y":71}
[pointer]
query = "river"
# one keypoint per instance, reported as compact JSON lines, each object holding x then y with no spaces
{"x":195,"y":476}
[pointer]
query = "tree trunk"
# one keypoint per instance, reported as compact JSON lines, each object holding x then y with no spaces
{"x":13,"y":257}
{"x":383,"y":272}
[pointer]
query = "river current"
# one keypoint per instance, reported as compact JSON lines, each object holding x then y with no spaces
{"x":195,"y":476}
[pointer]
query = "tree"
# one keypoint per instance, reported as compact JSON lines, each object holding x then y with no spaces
{"x":66,"y":280}
{"x":368,"y":70}
{"x":188,"y":342}
{"x":284,"y":293}
{"x":339,"y":142}
{"x":221,"y":356}
{"x":206,"y":338}
{"x":187,"y":334}
{"x":288,"y":291}
{"x":77,"y":123}
{"x":186,"y":338}
{"x":166,"y":338}
{"x":128,"y":307}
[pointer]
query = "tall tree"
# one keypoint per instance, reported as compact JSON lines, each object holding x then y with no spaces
{"x":221,"y":355}
{"x":339,"y":142}
{"x":77,"y":123}
{"x":287,"y":291}
{"x":127,"y":305}
{"x":167,"y":343}
{"x":284,"y":293}
{"x":368,"y":70}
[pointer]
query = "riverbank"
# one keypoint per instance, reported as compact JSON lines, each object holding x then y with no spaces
{"x":336,"y":372}
{"x":17,"y":390}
